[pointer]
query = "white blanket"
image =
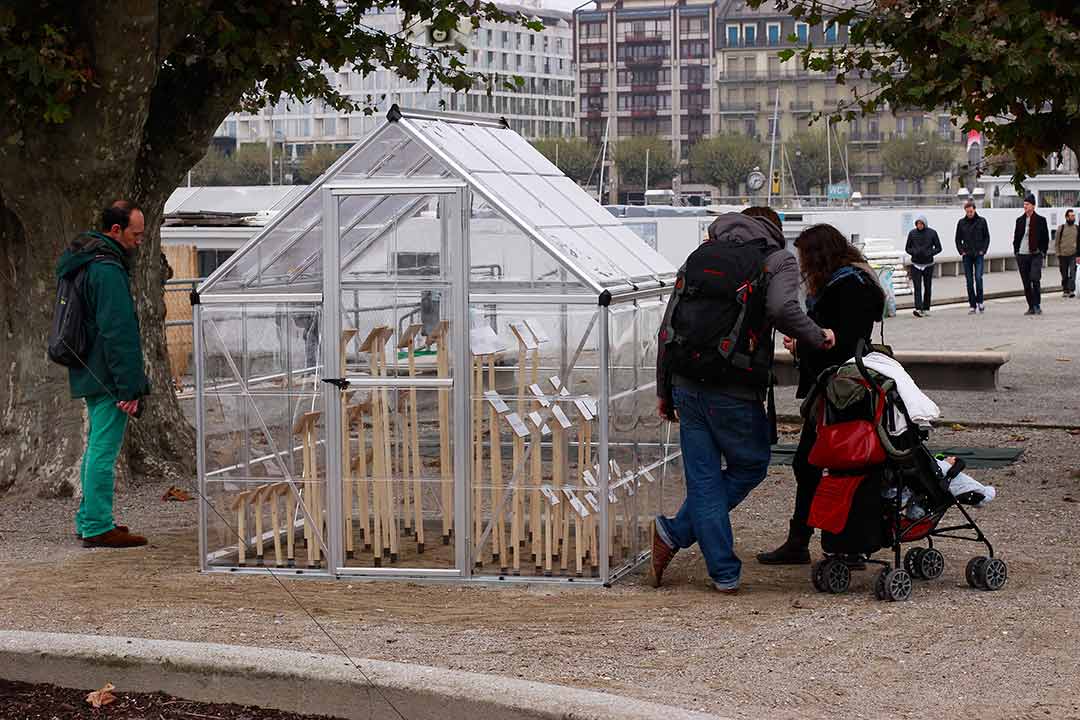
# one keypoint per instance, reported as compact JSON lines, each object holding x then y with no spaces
{"x":920,"y":407}
{"x":963,"y":483}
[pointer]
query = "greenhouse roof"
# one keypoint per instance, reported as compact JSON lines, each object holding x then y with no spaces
{"x":498,"y":165}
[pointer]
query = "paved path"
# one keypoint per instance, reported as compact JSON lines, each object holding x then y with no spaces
{"x":953,"y":289}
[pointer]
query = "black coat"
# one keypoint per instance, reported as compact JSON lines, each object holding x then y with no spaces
{"x":972,"y":236}
{"x":923,"y":245}
{"x":848,"y":306}
{"x":1042,"y":233}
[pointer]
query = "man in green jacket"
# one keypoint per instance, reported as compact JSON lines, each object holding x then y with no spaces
{"x":112,"y":380}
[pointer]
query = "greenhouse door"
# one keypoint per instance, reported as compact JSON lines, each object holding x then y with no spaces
{"x":395,"y":303}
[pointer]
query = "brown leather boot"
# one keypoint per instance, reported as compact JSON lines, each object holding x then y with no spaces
{"x":662,"y":556}
{"x":794,"y":551}
{"x":118,"y":537}
{"x":78,"y":536}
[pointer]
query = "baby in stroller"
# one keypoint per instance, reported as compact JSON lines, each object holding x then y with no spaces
{"x":882,"y":487}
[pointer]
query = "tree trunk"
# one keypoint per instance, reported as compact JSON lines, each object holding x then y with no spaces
{"x":41,"y":429}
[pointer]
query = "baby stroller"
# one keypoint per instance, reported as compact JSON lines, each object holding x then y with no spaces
{"x":882,"y":488}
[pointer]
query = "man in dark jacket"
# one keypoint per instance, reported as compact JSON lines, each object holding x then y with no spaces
{"x":1067,"y":239}
{"x":972,"y":242}
{"x":922,"y":245}
{"x":723,"y":428}
{"x":1031,"y":242}
{"x":111,"y":380}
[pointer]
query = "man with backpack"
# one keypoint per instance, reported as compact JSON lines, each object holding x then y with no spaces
{"x":714,"y":370}
{"x":96,"y":335}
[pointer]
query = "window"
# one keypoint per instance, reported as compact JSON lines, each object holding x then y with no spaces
{"x":210,"y":260}
{"x":588,"y":30}
{"x":945,"y":127}
{"x":693,"y":48}
{"x":594,"y":53}
{"x":695,"y":74}
{"x":749,"y":35}
{"x":802,"y":32}
{"x":417,"y":263}
{"x":916,"y":124}
{"x":750,"y":127}
{"x":490,"y":38}
{"x":830,"y":33}
{"x":773,"y":32}
{"x":733,"y":35}
{"x":901,"y":126}
{"x":517,"y":41}
{"x":505,"y":39}
{"x":774,"y":128}
{"x":693,"y":25}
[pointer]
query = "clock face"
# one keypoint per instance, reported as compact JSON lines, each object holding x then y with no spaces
{"x":755,"y":181}
{"x":439,"y":35}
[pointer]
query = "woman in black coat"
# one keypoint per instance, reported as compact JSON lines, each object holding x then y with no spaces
{"x":842,"y":293}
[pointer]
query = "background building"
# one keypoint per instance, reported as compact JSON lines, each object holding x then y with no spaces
{"x":543,"y":107}
{"x":691,"y":70}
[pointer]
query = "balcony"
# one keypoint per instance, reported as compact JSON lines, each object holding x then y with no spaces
{"x":643,"y":112}
{"x":644,"y":62}
{"x":643,"y":88}
{"x":743,"y":75}
{"x":740,"y":107}
{"x":864,"y":136}
{"x":874,"y":170}
{"x":642,"y":38}
{"x":594,"y":114}
{"x":801,"y":106}
{"x":695,"y":110}
{"x":690,"y":86}
{"x":595,"y":89}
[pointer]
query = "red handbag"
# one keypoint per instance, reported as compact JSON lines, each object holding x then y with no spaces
{"x":850,"y":445}
{"x":831,"y":505}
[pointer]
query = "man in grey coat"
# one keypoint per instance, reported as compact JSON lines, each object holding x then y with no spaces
{"x":724,"y":431}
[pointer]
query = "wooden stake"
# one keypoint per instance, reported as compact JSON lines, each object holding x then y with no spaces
{"x":535,"y":498}
{"x":257,"y":502}
{"x":517,"y":517}
{"x":498,"y":544}
{"x":239,"y":504}
{"x":478,"y":459}
{"x":346,"y":448}
{"x":442,"y":360}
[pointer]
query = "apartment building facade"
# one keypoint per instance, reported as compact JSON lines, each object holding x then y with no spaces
{"x":544,"y":106}
{"x":691,"y":70}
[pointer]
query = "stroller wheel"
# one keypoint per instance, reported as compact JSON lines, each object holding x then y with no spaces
{"x":931,"y":564}
{"x":837,"y":576}
{"x":973,"y":573}
{"x":897,"y":585}
{"x":993,"y":574}
{"x":817,"y":575}
{"x":912,"y":562}
{"x":879,"y":585}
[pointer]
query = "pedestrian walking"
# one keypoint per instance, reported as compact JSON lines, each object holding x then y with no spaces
{"x":972,"y":243}
{"x":714,"y":370}
{"x":922,"y":245}
{"x":843,"y":293}
{"x":109,"y":376}
{"x":1031,"y":242}
{"x":1066,"y":253}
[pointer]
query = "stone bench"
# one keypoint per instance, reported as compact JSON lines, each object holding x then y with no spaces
{"x":938,"y":370}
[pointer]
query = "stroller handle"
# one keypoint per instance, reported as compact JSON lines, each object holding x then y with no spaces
{"x":860,"y":353}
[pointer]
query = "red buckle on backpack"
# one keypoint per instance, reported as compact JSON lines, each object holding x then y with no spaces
{"x":725,"y":344}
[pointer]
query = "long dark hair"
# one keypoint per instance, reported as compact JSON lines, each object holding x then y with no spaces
{"x":822,"y":251}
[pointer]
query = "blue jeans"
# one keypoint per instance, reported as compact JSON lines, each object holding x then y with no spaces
{"x":973,"y":271}
{"x":714,"y":430}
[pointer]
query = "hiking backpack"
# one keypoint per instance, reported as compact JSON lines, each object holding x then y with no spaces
{"x":719,"y":330}
{"x":69,"y":342}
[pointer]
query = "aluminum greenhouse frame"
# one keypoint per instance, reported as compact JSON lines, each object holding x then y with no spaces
{"x":467,"y":452}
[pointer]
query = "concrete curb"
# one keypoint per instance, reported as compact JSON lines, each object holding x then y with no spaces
{"x":303,"y":682}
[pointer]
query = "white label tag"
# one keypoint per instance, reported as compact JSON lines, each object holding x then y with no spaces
{"x":648,"y":476}
{"x":615,"y":470}
{"x":484,"y":341}
{"x":550,"y":494}
{"x":517,"y":425}
{"x":583,"y":409}
{"x":577,"y":505}
{"x":592,"y":502}
{"x":537,"y":330}
{"x":590,"y":403}
{"x":556,"y":383}
{"x":587,"y":476}
{"x":524,"y":334}
{"x":560,"y":417}
{"x":539,"y":395}
{"x":568,"y":493}
{"x":496,"y":401}
{"x":613,"y":499}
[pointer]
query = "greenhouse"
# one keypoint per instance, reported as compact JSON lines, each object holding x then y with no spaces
{"x":438,"y":362}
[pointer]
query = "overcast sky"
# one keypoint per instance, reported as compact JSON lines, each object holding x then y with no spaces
{"x":561,"y":4}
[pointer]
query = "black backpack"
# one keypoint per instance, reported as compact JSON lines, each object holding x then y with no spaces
{"x":68,"y":340}
{"x":719,"y":328}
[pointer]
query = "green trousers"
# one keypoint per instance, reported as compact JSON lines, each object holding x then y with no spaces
{"x":103,"y":442}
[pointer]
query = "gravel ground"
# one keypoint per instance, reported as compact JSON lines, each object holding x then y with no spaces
{"x":776,"y":650}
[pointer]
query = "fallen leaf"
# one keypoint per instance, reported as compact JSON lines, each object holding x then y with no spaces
{"x":102,"y":697}
{"x":1019,"y":438}
{"x":957,"y":427}
{"x":1074,"y":431}
{"x":177,"y":494}
{"x":1069,"y":498}
{"x":1064,"y":360}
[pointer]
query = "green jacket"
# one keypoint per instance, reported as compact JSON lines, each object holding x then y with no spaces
{"x":114,"y":365}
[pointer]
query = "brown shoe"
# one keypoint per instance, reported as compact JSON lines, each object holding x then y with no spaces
{"x":662,"y":555}
{"x":118,"y":537}
{"x":123,"y":528}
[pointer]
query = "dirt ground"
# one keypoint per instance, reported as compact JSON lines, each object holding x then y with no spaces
{"x":776,"y":650}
